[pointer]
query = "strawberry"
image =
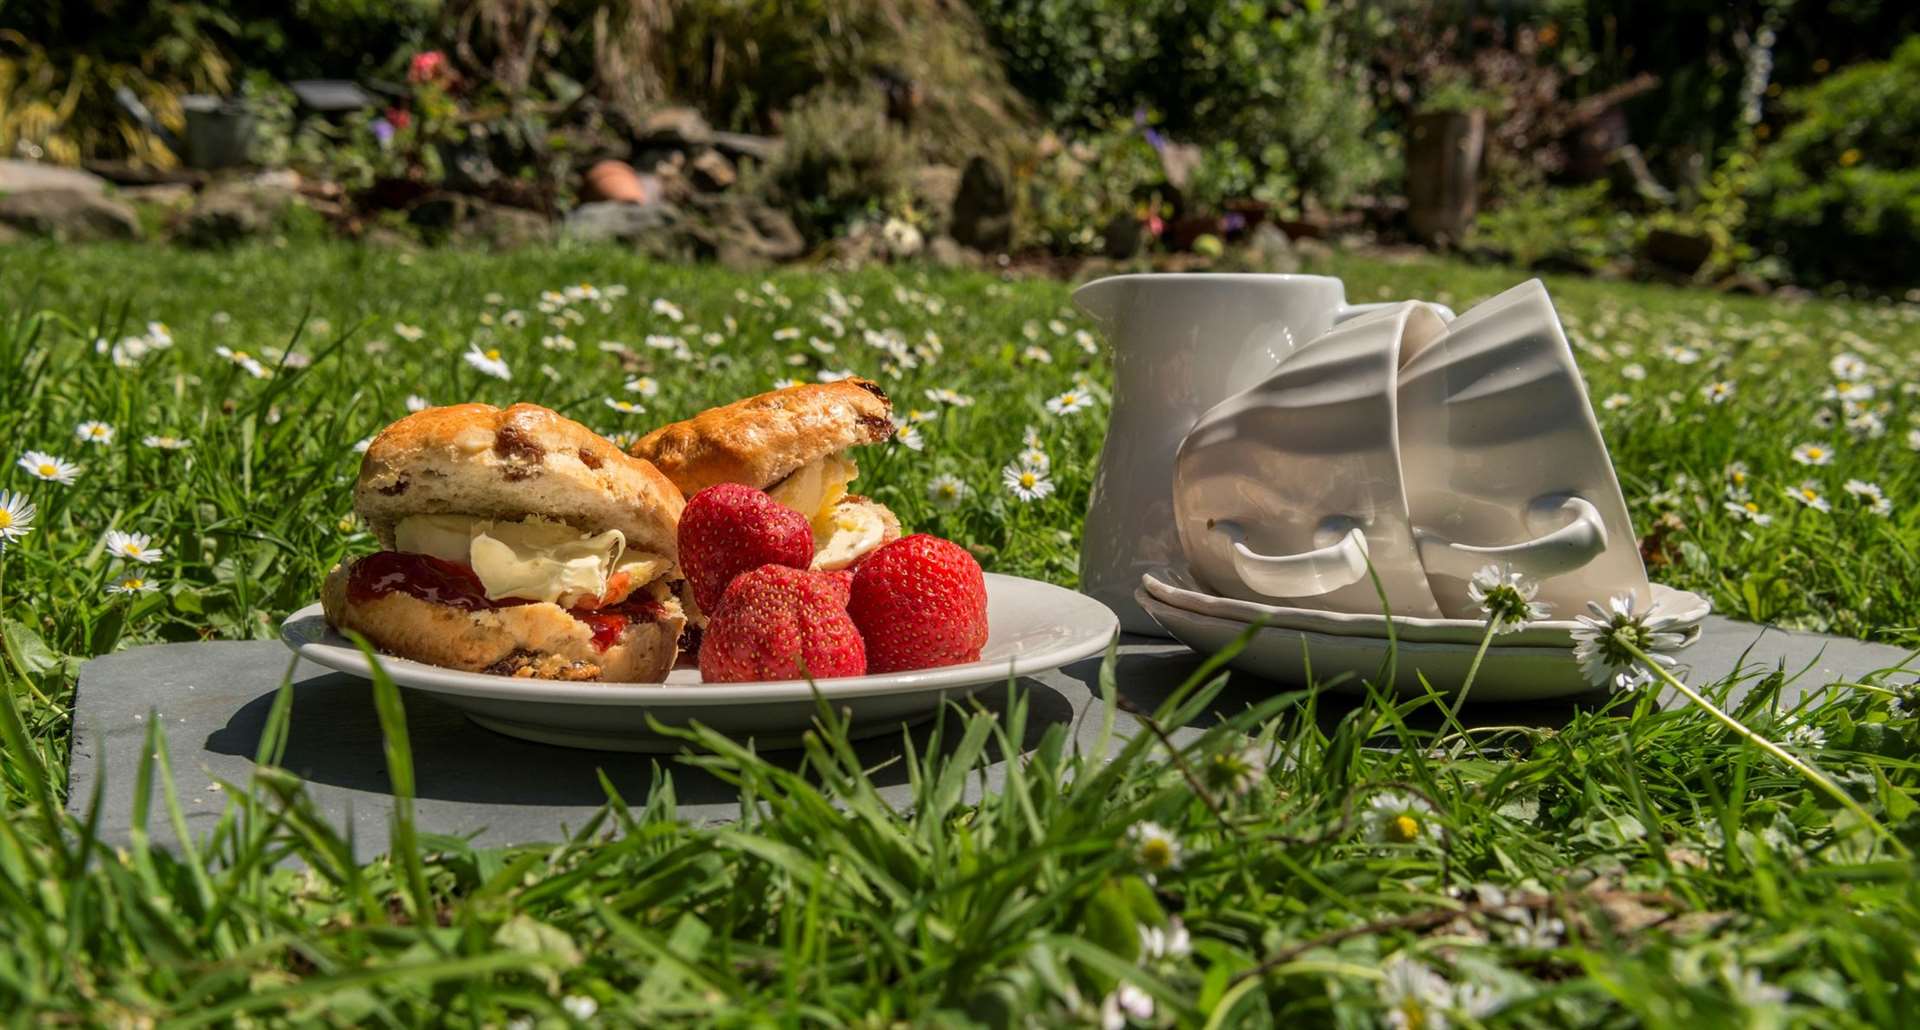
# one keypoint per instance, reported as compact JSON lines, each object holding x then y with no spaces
{"x":728,"y":528}
{"x":919,"y":602}
{"x":779,"y":623}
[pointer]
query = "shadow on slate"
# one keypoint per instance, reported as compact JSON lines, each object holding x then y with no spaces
{"x":334,"y":738}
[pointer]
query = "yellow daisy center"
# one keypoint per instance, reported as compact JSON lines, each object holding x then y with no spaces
{"x":1405,"y":828}
{"x":133,"y":583}
{"x":1156,"y":853}
{"x":48,"y":468}
{"x":240,"y":355}
{"x":493,"y":355}
{"x":1810,"y":495}
{"x":1027,"y":479}
{"x":1815,"y":452}
{"x":132,"y":548}
{"x":1752,"y":506}
{"x":6,"y":519}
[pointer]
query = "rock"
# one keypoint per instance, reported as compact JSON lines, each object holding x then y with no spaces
{"x":740,"y":144}
{"x":165,"y":194}
{"x":22,"y":176}
{"x":681,"y":127}
{"x":742,"y":232}
{"x":234,"y":211}
{"x":1177,"y":162}
{"x":605,"y":221}
{"x":471,"y":220}
{"x":934,"y":189}
{"x":943,"y":252}
{"x":982,"y":208}
{"x":69,"y":215}
{"x":1681,"y":253}
{"x":711,"y":171}
{"x":1269,"y":249}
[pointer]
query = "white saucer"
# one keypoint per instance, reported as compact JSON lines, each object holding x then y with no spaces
{"x":1031,"y":627}
{"x":1176,"y":588}
{"x":1298,"y":658}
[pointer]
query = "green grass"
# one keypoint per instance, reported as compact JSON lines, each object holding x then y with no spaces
{"x":1650,"y":866}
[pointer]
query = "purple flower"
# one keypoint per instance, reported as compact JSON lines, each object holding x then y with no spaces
{"x":1233,"y":221}
{"x":383,"y":131}
{"x":1155,"y":140}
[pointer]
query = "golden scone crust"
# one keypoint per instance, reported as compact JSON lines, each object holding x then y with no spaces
{"x":537,"y":640}
{"x":761,"y":440}
{"x":476,"y":459}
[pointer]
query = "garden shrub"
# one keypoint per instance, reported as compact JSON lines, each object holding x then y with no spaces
{"x":842,"y":158}
{"x":1280,"y":80}
{"x":1838,"y":195}
{"x":1567,"y":226}
{"x":1074,"y":194}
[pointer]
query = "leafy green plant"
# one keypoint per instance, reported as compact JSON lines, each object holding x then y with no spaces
{"x":1570,"y":226}
{"x":841,"y":158}
{"x":1837,"y":196}
{"x":1226,"y":174}
{"x":1107,"y":179}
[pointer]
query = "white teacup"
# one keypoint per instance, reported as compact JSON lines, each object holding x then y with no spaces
{"x":1503,"y":461}
{"x":1290,"y":490}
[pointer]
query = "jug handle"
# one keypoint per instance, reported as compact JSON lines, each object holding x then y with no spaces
{"x":1346,"y":311}
{"x":1308,"y":574}
{"x":1581,"y":538}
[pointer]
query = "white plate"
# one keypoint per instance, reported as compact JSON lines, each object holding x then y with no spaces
{"x":1285,"y":656}
{"x":1031,"y":627}
{"x":1176,"y":588}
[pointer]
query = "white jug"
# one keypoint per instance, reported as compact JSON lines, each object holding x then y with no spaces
{"x":1182,"y":343}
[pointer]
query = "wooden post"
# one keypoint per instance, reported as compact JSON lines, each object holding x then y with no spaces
{"x":1444,"y":149}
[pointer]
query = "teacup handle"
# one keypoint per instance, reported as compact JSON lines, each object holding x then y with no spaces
{"x":1346,"y":311}
{"x":1308,"y":574}
{"x":1581,"y":538}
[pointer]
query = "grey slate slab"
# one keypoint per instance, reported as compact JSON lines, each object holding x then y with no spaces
{"x":214,"y":697}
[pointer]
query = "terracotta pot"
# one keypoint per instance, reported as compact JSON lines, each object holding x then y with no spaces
{"x":615,"y":181}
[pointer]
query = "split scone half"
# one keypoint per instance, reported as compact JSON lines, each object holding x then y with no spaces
{"x":515,"y":542}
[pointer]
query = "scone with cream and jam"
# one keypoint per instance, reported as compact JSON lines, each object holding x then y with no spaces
{"x":515,"y":542}
{"x":794,"y":444}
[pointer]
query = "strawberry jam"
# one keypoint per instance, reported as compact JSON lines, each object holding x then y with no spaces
{"x":456,"y":586}
{"x":422,"y":576}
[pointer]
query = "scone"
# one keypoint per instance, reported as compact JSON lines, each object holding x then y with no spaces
{"x":793,"y":444}
{"x":516,"y":542}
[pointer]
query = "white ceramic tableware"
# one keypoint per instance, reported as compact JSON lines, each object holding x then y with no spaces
{"x":1503,"y":461}
{"x":1172,"y":587}
{"x":1289,"y":490}
{"x":1182,"y":342}
{"x":1295,"y":658}
{"x":1031,"y":627}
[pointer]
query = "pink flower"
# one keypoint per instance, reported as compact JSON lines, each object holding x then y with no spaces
{"x":398,"y":117}
{"x":427,"y":66}
{"x":1156,"y":225}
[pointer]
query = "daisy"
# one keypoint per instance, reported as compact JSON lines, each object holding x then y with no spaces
{"x":1805,"y":736}
{"x":131,"y":583}
{"x":1824,"y":419}
{"x":1616,"y":401}
{"x":785,"y":333}
{"x":580,"y":1007}
{"x":907,"y":435}
{"x":1808,"y":493}
{"x":1154,"y":847}
{"x":244,"y":360}
{"x":1717,"y":392}
{"x":1846,"y":367}
{"x":785,"y":382}
{"x":162,"y":442}
{"x":488,"y":362}
{"x":1913,"y":439}
{"x":409,"y":333}
{"x":1170,"y":941}
{"x":1602,"y":639}
{"x":1236,"y":770}
{"x":93,"y":432}
{"x":415,"y":402}
{"x":667,"y":309}
{"x":16,"y":517}
{"x":1030,"y":436}
{"x":1506,"y":597}
{"x":1069,"y":402}
{"x":828,"y":375}
{"x":945,"y":395}
{"x":1737,"y":475}
{"x":42,"y":465}
{"x":1086,"y":341}
{"x":1026,"y":482}
{"x":361,"y":447}
{"x":159,"y":335}
{"x":1035,"y":352}
{"x":137,"y":547}
{"x":559,"y":342}
{"x":626,"y":407}
{"x":1812,"y":454}
{"x":1416,"y":997}
{"x":1848,"y":390}
{"x":1747,"y":511}
{"x":919,"y":415}
{"x":1634,"y":372}
{"x":645,"y":386}
{"x":1034,"y":458}
{"x":1866,"y":426}
{"x":1871,"y":493}
{"x":946,"y":491}
{"x":1127,"y":1003}
{"x":514,"y":319}
{"x":1398,"y":818}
